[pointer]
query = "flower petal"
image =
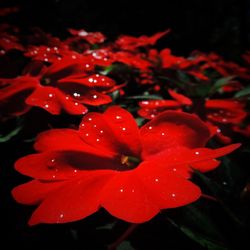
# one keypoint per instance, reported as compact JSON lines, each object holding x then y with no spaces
{"x":173,"y":129}
{"x":62,"y":165}
{"x":115,"y":130}
{"x":34,"y":192}
{"x":53,"y":100}
{"x":73,"y":201}
{"x":126,"y":199}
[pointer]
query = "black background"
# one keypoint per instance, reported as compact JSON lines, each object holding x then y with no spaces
{"x":207,"y":25}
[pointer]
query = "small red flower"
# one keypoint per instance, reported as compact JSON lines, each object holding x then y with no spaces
{"x":66,"y":85}
{"x":132,"y":173}
{"x":91,"y":37}
{"x":131,"y":43}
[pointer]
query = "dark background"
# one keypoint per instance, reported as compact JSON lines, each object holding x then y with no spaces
{"x":207,"y":25}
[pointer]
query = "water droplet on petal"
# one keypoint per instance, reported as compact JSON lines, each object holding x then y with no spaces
{"x":156,"y":180}
{"x":46,"y":106}
{"x":121,"y":190}
{"x":197,"y":153}
{"x":173,"y":195}
{"x":95,"y":96}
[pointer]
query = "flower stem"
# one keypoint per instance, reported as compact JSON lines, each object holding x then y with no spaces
{"x":123,"y":237}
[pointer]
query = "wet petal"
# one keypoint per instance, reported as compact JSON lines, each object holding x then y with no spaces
{"x":34,"y":192}
{"x":173,"y":129}
{"x":73,"y":201}
{"x":115,"y":130}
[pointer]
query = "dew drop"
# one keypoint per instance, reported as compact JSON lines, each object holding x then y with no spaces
{"x":91,"y":79}
{"x":123,"y":129}
{"x":197,"y":153}
{"x":150,"y":127}
{"x":90,"y":119}
{"x":95,"y":96}
{"x":97,"y":139}
{"x":156,"y":180}
{"x":101,"y":131}
{"x":50,"y":95}
{"x":87,"y":134}
{"x":61,"y":216}
{"x":121,"y":190}
{"x":46,"y":106}
{"x":76,"y":103}
{"x":173,"y":195}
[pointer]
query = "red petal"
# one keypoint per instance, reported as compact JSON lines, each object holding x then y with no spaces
{"x":73,"y":201}
{"x":61,"y":165}
{"x":138,"y":197}
{"x":180,"y":98}
{"x":34,"y":192}
{"x":53,"y":100}
{"x":125,"y":198}
{"x":200,"y":158}
{"x":173,"y":129}
{"x":115,"y":130}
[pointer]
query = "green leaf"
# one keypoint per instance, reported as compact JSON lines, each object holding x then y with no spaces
{"x":11,"y":134}
{"x":108,"y":226}
{"x":125,"y":245}
{"x":115,"y":95}
{"x":145,"y":97}
{"x":195,"y":216}
{"x":140,"y":121}
{"x":243,"y":92}
{"x":203,"y":240}
{"x":220,"y":83}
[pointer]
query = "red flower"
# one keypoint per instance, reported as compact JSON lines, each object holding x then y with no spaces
{"x":132,"y":173}
{"x":131,"y":43}
{"x":91,"y":37}
{"x":66,"y":85}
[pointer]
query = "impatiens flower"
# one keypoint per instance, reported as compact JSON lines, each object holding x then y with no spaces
{"x":131,"y":43}
{"x":109,"y":162}
{"x":91,"y":37}
{"x":67,"y":85}
{"x":216,"y":112}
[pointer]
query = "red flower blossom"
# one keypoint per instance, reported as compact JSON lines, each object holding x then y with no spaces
{"x":66,"y":85}
{"x":91,"y":37}
{"x":131,"y":43}
{"x":216,"y":112}
{"x":132,"y":173}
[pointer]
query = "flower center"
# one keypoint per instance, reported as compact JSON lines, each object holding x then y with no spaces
{"x":45,"y":81}
{"x":130,"y":161}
